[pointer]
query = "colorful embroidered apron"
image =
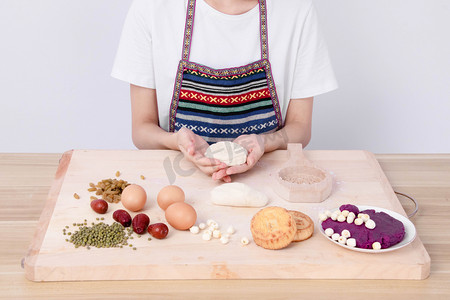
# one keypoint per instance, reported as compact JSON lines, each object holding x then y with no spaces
{"x":222,"y":104}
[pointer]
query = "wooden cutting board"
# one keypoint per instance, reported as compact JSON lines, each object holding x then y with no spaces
{"x":357,"y":179}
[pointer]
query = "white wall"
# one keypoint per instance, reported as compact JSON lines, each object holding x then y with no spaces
{"x":392,"y":60}
{"x":391,"y":57}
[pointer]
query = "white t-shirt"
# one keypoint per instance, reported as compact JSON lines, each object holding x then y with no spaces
{"x":152,"y":39}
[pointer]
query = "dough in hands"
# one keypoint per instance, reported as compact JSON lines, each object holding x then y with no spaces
{"x":230,"y":153}
{"x":238,"y":194}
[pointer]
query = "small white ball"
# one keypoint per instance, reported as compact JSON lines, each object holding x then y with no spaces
{"x":224,"y":240}
{"x":244,"y":241}
{"x":217,"y":234}
{"x":345,"y":212}
{"x":213,"y":225}
{"x":202,"y":226}
{"x":329,"y":231}
{"x":358,"y":221}
{"x":351,"y":242}
{"x":231,"y":230}
{"x":334,"y":216}
{"x":376,"y":246}
{"x":341,"y":218}
{"x":370,"y":224}
{"x":342,"y":240}
{"x":323,"y":217}
{"x":335,"y":236}
{"x":365,"y":217}
{"x":345,"y":233}
{"x":206,"y":236}
{"x":194,"y":229}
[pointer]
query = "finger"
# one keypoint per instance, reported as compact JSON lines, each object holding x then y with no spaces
{"x":183,"y":150}
{"x":204,"y":161}
{"x":252,"y":158}
{"x":201,"y":148}
{"x":186,"y":154}
{"x":209,"y":170}
{"x":238,"y":169}
{"x":219,"y":174}
{"x":226,"y":179}
{"x":191,"y":149}
{"x":202,"y":158}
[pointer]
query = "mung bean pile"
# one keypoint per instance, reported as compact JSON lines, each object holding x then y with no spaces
{"x":99,"y":235}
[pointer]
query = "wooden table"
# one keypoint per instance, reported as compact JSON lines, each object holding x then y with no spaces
{"x":25,"y":180}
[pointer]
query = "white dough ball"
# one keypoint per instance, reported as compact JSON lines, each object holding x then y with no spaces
{"x":230,"y":153}
{"x":238,"y":194}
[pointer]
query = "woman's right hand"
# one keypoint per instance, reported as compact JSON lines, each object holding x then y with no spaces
{"x":194,"y":147}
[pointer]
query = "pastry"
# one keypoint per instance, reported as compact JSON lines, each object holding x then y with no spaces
{"x":305,"y":226}
{"x":273,"y":228}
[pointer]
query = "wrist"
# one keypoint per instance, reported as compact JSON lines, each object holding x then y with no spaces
{"x":274,"y":141}
{"x":172,"y":141}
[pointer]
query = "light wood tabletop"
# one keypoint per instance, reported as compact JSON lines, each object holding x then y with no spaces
{"x":25,"y":180}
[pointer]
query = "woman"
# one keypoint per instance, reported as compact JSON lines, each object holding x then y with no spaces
{"x":200,"y":72}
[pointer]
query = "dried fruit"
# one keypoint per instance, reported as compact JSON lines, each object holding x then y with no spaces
{"x":123,"y":217}
{"x":158,"y":230}
{"x":99,"y":206}
{"x":140,"y":223}
{"x":109,"y":189}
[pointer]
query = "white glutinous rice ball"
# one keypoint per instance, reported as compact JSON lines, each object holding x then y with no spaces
{"x":230,"y":153}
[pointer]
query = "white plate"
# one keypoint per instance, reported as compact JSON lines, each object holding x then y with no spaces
{"x":410,"y":231}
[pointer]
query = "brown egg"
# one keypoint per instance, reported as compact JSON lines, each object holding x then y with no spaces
{"x":181,"y":215}
{"x":134,"y":197}
{"x":169,"y":195}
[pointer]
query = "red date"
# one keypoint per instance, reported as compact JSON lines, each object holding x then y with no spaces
{"x":123,"y":217}
{"x":158,"y":230}
{"x":140,"y":223}
{"x":99,"y":206}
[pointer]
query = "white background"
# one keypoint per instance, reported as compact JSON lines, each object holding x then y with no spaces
{"x":391,"y":58}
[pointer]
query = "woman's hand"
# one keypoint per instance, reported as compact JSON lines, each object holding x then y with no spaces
{"x":255,"y":146}
{"x":194,"y":147}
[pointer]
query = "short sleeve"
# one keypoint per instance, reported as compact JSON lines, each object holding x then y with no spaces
{"x":134,"y":59}
{"x":313,"y":73}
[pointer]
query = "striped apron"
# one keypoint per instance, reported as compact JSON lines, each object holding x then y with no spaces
{"x":222,"y":104}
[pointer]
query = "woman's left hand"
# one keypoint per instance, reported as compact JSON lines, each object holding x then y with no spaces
{"x":193,"y":148}
{"x":255,"y":146}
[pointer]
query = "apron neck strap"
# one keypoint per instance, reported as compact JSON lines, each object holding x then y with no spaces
{"x":189,"y":26}
{"x":263,"y":29}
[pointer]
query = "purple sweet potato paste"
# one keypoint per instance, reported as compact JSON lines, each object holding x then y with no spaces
{"x":388,"y":231}
{"x":350,"y":208}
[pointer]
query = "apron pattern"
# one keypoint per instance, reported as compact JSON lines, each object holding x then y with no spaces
{"x":221,"y":104}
